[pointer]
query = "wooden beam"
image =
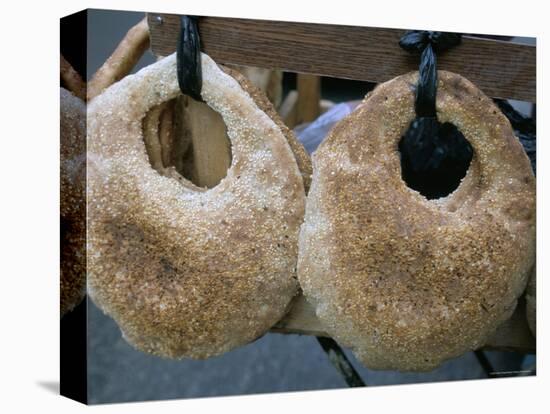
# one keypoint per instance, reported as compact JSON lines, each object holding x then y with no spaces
{"x":501,"y":69}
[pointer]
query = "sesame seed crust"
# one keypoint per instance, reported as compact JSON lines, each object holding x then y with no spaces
{"x":404,"y":281}
{"x":72,"y":200}
{"x":185,"y":271}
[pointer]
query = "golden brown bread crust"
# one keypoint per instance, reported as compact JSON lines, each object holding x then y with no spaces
{"x":72,"y":200}
{"x":404,"y":281}
{"x":188,"y":272}
{"x":300,"y":154}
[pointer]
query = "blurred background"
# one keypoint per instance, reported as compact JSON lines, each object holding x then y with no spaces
{"x":273,"y":363}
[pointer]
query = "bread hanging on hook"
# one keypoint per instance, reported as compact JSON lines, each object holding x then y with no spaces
{"x":404,"y":281}
{"x":184,"y":271}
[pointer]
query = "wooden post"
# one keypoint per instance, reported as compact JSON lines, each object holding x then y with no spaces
{"x":203,"y":140}
{"x":309,"y":97}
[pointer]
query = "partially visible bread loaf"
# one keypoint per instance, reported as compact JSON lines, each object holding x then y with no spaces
{"x":72,"y":200}
{"x":404,"y":281}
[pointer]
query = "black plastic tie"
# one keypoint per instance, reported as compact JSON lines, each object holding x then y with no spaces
{"x":426,"y":89}
{"x":434,"y":156}
{"x":427,"y":43}
{"x":188,"y":56}
{"x":417,"y":40}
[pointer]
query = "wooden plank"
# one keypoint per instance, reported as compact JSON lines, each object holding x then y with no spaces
{"x":501,"y":69}
{"x":301,"y":319}
{"x":512,"y":335}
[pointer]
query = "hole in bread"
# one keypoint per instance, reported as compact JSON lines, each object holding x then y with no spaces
{"x":190,"y":141}
{"x":434,"y":167}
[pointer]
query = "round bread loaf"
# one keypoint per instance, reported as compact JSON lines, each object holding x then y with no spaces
{"x":72,"y":200}
{"x":187,"y":271}
{"x":404,"y":281}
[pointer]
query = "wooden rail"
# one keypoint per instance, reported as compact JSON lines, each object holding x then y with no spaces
{"x":501,"y":69}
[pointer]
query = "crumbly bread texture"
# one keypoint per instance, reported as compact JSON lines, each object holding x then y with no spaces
{"x":73,"y":200}
{"x":261,"y":100}
{"x":404,"y":281}
{"x":185,"y":271}
{"x":531,"y":302}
